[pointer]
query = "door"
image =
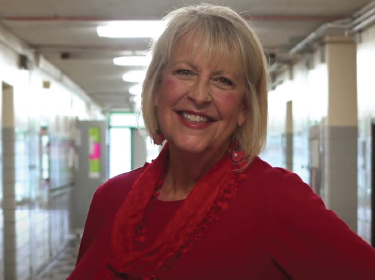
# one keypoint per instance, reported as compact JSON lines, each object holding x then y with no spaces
{"x":90,"y":167}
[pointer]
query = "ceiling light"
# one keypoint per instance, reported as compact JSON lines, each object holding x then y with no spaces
{"x":134,"y":76}
{"x":135,"y":90}
{"x":132,"y":60}
{"x":132,"y":29}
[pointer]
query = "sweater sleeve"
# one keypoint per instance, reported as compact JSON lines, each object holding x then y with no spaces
{"x":307,"y":241}
{"x":103,"y":208}
{"x":94,"y":221}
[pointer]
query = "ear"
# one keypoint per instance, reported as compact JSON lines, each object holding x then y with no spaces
{"x":242,"y":114}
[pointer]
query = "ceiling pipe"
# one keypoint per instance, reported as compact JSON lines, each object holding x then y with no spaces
{"x":309,"y":40}
{"x":366,"y":23}
{"x":359,"y":21}
{"x":247,"y":17}
{"x":364,"y":9}
{"x":363,"y":19}
{"x":275,"y":66}
{"x":313,"y":37}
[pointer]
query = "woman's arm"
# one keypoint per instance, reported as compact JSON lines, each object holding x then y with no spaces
{"x":310,"y":242}
{"x":94,"y":222}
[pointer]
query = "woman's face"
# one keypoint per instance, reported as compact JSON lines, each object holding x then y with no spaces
{"x":199,"y":105}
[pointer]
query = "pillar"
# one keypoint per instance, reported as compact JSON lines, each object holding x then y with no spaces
{"x":340,"y":130}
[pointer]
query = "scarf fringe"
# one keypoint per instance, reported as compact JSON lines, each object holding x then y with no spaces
{"x":212,"y":194}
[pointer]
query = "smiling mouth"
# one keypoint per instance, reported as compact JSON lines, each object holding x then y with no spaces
{"x":195,"y":118}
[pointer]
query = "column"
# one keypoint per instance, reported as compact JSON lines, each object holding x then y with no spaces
{"x":340,"y":131}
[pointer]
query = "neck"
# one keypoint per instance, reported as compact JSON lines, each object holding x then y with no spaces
{"x":185,"y":170}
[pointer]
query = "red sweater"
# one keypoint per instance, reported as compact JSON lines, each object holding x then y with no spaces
{"x":275,"y":228}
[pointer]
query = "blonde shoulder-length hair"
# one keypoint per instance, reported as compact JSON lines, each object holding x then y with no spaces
{"x":224,"y":34}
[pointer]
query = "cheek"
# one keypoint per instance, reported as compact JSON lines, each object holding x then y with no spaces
{"x":168,"y":96}
{"x":230,"y":104}
{"x":169,"y":88}
{"x":230,"y":99}
{"x":167,"y":83}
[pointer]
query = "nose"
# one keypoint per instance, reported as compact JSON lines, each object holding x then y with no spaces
{"x":200,"y":93}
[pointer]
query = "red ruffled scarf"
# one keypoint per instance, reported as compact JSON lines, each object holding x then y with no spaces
{"x":125,"y":260}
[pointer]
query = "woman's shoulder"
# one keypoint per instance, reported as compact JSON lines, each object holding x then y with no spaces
{"x":272,"y":180}
{"x":262,"y":170}
{"x":126,"y":177}
{"x":282,"y":191}
{"x":115,"y":189}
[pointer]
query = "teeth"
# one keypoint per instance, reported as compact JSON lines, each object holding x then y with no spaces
{"x":194,"y":118}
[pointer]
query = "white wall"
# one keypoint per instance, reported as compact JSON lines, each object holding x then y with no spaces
{"x":306,"y":86}
{"x":325,"y":88}
{"x":366,"y":111}
{"x":40,"y":224}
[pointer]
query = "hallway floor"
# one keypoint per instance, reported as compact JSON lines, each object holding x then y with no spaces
{"x":61,"y":268}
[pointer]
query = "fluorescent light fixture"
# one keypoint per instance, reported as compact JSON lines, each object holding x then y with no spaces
{"x":134,"y":76}
{"x":135,"y":90}
{"x":132,"y":29}
{"x":139,"y":60}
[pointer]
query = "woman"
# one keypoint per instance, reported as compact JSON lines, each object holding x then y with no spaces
{"x":208,"y":207}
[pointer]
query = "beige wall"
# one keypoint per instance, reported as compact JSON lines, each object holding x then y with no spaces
{"x":307,"y":87}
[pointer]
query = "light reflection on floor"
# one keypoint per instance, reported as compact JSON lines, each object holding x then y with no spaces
{"x":61,"y":268}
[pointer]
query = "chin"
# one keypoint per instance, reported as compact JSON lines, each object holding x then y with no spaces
{"x":193,"y":147}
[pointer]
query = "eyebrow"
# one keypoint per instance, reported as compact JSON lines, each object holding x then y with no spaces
{"x":220,"y":72}
{"x":192,"y":65}
{"x":195,"y":68}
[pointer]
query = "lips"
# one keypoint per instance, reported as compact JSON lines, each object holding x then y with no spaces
{"x":195,"y":117}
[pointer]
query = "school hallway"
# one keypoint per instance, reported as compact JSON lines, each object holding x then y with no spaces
{"x":70,"y":93}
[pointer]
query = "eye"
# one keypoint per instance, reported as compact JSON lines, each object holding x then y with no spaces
{"x":225,"y":82}
{"x":183,"y":72}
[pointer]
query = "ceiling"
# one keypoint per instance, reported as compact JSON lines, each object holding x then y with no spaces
{"x":65,"y":32}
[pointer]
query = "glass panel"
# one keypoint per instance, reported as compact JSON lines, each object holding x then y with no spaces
{"x":133,"y":120}
{"x":119,"y":151}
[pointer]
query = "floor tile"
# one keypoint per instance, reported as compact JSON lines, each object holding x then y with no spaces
{"x":61,"y":268}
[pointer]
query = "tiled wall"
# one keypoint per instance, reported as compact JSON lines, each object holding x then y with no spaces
{"x":35,"y":211}
{"x":366,"y":112}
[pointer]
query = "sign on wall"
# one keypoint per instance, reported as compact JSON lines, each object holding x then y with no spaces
{"x":94,"y":152}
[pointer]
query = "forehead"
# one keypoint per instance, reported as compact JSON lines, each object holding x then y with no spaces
{"x":203,"y":49}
